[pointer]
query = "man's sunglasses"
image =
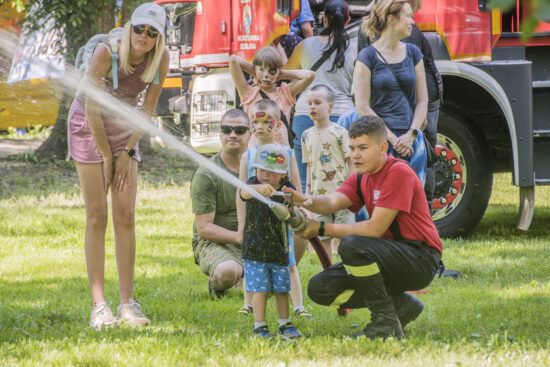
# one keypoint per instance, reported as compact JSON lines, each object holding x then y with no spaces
{"x":239,"y":130}
{"x":151,"y":32}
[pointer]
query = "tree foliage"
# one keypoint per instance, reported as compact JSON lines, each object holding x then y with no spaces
{"x":80,"y":20}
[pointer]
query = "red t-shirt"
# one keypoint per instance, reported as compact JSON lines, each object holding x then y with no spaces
{"x":396,"y":186}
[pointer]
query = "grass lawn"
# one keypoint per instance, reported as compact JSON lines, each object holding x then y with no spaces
{"x":497,"y":314}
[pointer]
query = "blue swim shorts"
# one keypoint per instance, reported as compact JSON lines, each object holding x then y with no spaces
{"x":266,"y":277}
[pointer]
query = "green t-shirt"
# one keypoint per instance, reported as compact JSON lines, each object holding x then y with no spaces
{"x":211,"y":194}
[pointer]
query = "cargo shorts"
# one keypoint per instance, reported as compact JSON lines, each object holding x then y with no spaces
{"x":208,"y":254}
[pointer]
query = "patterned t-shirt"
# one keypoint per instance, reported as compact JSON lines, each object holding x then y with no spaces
{"x":265,"y":236}
{"x":326,"y":151}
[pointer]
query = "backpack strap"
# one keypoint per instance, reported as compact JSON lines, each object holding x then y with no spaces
{"x":113,"y":42}
{"x":156,"y":81}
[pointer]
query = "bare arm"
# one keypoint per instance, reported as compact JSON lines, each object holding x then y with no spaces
{"x":322,"y":204}
{"x":406,"y":140}
{"x":236,"y":67}
{"x":152,"y":97}
{"x":294,"y":62}
{"x":212,"y":232}
{"x":300,"y":79}
{"x":362,"y":90}
{"x":295,"y":173}
{"x":374,"y":227}
{"x":308,"y":180}
{"x":99,"y":67}
{"x":240,"y":202}
{"x":307,"y":29}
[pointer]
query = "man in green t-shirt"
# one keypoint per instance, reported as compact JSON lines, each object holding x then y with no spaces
{"x":216,"y":243}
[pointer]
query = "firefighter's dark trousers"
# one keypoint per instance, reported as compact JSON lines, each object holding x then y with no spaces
{"x":401,"y":265}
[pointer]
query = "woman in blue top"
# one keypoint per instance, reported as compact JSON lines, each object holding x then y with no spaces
{"x":377,"y":92}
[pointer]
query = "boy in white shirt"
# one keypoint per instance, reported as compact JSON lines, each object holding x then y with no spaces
{"x":327,"y":154}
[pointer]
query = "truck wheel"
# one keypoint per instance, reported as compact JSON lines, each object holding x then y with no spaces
{"x":463,"y":175}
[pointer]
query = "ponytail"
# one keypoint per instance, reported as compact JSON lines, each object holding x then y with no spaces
{"x":337,"y":14}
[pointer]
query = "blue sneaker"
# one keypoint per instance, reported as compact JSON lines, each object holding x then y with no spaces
{"x":262,"y":331}
{"x":288,"y":331}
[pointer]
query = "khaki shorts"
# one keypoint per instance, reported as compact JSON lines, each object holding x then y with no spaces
{"x":208,"y":255}
{"x":340,"y":217}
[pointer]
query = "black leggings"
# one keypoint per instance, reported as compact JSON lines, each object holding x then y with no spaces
{"x":404,"y":266}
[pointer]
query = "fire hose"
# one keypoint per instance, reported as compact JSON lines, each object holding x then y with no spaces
{"x":298,"y":222}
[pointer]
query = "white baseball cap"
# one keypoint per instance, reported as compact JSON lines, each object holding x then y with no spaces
{"x":150,"y":14}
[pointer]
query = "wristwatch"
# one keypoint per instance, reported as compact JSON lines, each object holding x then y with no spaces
{"x":414,"y":132}
{"x":131,"y":152}
{"x":321,"y":232}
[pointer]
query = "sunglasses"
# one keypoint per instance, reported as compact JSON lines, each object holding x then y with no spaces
{"x":151,"y":32}
{"x":239,"y":130}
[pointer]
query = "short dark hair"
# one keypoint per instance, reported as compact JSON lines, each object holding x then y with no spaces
{"x":235,"y":113}
{"x":266,"y":105}
{"x":329,"y":93}
{"x":373,"y":126}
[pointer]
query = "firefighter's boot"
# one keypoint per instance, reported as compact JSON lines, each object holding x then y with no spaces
{"x":383,"y":323}
{"x":407,"y":308}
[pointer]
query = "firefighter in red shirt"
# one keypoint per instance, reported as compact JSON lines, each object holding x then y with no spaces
{"x":396,"y":250}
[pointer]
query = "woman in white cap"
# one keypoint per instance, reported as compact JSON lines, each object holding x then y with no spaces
{"x":107,"y":155}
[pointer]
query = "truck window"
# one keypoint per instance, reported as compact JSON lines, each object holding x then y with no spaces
{"x":181,"y":25}
{"x":284,"y":7}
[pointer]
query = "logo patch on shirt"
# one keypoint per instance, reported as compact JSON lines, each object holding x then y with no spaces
{"x":375,"y":195}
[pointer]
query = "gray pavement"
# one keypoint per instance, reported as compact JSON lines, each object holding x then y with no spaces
{"x":11,"y":146}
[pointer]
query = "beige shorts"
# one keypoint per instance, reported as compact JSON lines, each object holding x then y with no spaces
{"x":340,"y":217}
{"x":208,"y":255}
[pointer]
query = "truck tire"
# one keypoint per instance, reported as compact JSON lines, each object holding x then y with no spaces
{"x":463,"y":175}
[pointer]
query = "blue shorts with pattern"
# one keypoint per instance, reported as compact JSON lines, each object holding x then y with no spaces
{"x":266,"y":277}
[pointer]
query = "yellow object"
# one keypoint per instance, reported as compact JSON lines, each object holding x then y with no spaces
{"x":27,"y":103}
{"x":363,"y":271}
{"x":342,"y":298}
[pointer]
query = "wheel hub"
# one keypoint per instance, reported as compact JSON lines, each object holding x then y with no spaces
{"x":450,"y":177}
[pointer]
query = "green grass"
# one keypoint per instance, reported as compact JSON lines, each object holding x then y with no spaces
{"x":497,"y":314}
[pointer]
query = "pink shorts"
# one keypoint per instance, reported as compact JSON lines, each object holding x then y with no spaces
{"x":82,"y":147}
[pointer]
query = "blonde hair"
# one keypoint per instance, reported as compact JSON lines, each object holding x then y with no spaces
{"x":153,"y":57}
{"x":268,"y":56}
{"x":377,"y":20}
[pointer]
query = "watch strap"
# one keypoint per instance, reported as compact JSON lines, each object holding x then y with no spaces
{"x":321,"y":232}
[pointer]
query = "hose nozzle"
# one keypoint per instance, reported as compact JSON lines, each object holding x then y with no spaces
{"x":296,"y":220}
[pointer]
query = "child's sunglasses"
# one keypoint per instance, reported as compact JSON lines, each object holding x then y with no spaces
{"x":151,"y":32}
{"x":239,"y":130}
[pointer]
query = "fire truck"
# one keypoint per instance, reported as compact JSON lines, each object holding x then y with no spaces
{"x":495,"y":116}
{"x":200,"y":36}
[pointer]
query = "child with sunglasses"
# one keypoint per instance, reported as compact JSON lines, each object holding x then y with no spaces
{"x":106,"y":154}
{"x":265,"y":117}
{"x":267,"y":69}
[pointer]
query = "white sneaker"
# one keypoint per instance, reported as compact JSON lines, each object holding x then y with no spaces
{"x":102,"y":316}
{"x":131,"y":313}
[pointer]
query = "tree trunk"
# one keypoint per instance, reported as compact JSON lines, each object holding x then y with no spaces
{"x":55,"y":147}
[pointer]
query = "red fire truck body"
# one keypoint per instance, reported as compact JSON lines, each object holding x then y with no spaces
{"x":495,"y":115}
{"x":201,"y":35}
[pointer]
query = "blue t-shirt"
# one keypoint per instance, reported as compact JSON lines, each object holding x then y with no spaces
{"x":305,"y":16}
{"x":347,"y":118}
{"x":387,"y":99}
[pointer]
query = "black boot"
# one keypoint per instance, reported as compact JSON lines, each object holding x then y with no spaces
{"x":407,"y":308}
{"x":384,"y":322}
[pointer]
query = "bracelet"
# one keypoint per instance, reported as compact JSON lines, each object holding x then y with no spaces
{"x":321,"y":232}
